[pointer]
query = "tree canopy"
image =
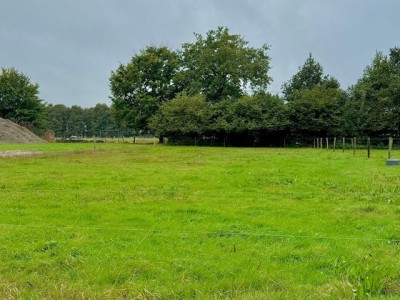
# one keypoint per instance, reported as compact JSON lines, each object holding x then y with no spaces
{"x":315,"y":101}
{"x":310,"y":75}
{"x":184,"y":115}
{"x":141,"y":86}
{"x":218,"y":66}
{"x":19,"y":99}
{"x":216,"y":88}
{"x":375,"y":98}
{"x":75,"y":120}
{"x":221,"y":66}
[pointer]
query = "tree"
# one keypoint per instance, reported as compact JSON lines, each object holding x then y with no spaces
{"x":375,"y":98}
{"x":221,"y":118}
{"x":99,"y":118}
{"x":182,"y":116}
{"x":76,"y":123}
{"x":57,"y":117}
{"x":222,"y":66}
{"x":315,"y":101}
{"x":260,"y":114}
{"x":141,"y":86}
{"x":19,"y":99}
{"x":75,"y":120}
{"x":260,"y":117}
{"x":310,"y":75}
{"x":317,"y":111}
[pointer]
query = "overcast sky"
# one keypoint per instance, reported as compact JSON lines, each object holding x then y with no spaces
{"x":70,"y":47}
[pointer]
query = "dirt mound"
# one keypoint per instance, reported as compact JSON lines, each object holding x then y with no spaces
{"x":14,"y":133}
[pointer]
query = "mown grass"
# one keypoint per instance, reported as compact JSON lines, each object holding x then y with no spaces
{"x":143,"y":222}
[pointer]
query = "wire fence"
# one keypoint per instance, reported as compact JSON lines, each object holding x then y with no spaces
{"x":218,"y":232}
{"x":328,"y":143}
{"x":175,"y":193}
{"x":338,"y":143}
{"x":110,"y":138}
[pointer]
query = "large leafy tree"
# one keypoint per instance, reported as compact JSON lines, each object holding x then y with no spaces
{"x":222,"y":66}
{"x":375,"y":99}
{"x":141,"y":86}
{"x":315,"y":101}
{"x":19,"y":99}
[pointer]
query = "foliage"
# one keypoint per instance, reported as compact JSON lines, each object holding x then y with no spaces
{"x":141,"y":86}
{"x":57,"y":118}
{"x":19,"y":99}
{"x":100,"y":117}
{"x":215,"y":87}
{"x":259,"y":114}
{"x":222,"y":66}
{"x":310,"y":75}
{"x":317,"y":111}
{"x":315,"y":101}
{"x":375,"y":98}
{"x":75,"y":120}
{"x":366,"y":276}
{"x":220,"y":117}
{"x":247,"y":119}
{"x":184,"y":115}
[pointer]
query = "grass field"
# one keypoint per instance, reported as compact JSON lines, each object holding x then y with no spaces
{"x":157,"y":222}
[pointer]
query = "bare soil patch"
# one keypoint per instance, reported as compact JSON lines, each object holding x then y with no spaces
{"x":10,"y":153}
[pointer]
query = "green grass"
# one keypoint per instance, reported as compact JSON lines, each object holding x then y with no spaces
{"x":144,"y":222}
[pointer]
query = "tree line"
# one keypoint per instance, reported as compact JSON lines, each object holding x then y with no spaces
{"x":20,"y":102}
{"x":215,"y":88}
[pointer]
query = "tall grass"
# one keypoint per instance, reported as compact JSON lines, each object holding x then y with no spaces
{"x":145,"y":222}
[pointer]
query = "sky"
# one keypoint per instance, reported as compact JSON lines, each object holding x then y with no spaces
{"x":70,"y":47}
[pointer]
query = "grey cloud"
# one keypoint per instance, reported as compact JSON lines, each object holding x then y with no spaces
{"x":70,"y":47}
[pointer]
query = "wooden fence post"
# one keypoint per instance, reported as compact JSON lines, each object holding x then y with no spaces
{"x":344,"y":143}
{"x":390,"y":147}
{"x":369,"y":147}
{"x":327,"y":143}
{"x":334,"y":144}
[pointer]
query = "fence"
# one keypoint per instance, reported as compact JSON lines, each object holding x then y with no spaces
{"x":353,"y":144}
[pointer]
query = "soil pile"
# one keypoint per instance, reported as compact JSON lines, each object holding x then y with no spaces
{"x":14,"y":133}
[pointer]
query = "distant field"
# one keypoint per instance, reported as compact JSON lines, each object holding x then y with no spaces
{"x":156,"y":222}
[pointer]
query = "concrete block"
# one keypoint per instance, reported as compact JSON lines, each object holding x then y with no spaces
{"x":393,"y":162}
